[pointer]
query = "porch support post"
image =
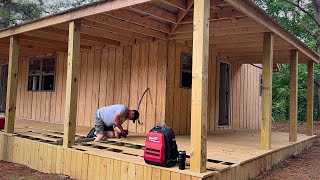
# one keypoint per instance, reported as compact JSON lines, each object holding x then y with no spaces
{"x":12,"y":84}
{"x":199,"y":86}
{"x":72,"y":84}
{"x":293,"y":95}
{"x":267,"y":67}
{"x":310,"y":96}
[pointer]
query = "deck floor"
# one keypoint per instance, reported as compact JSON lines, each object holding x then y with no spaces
{"x":224,"y":148}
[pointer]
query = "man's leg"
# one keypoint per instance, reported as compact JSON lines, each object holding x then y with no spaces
{"x":99,"y":128}
{"x":109,"y":132}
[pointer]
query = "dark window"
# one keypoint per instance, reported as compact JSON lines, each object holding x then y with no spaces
{"x":260,"y":84}
{"x":186,"y":70}
{"x":41,"y":74}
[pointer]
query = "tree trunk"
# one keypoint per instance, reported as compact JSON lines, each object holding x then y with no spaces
{"x":316,"y":4}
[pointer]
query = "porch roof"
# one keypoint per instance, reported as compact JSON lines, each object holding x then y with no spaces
{"x":236,"y":29}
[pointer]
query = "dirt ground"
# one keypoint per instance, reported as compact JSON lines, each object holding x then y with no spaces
{"x":303,"y":166}
{"x":12,"y":171}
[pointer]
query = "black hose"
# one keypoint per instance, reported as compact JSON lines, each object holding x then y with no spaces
{"x":144,"y":93}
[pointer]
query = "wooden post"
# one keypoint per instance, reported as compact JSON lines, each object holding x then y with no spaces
{"x":72,"y":84}
{"x":267,"y":67}
{"x":293,"y":95}
{"x":199,"y":86}
{"x":12,"y":84}
{"x":310,"y":96}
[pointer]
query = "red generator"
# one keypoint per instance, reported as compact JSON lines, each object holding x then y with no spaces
{"x":2,"y":120}
{"x":161,"y":147}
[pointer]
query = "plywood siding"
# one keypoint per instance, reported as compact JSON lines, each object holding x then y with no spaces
{"x":245,"y":99}
{"x":107,"y":76}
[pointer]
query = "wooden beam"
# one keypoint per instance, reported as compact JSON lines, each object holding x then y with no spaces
{"x":181,"y":15}
{"x":293,"y":95}
{"x":226,"y":32}
{"x":139,"y":20}
{"x":180,"y":4}
{"x":267,"y":66}
{"x":310,"y":96}
{"x":253,"y":11}
{"x":156,"y":12}
{"x":75,"y":13}
{"x":199,"y":105}
{"x":128,"y":26}
{"x":12,"y":84}
{"x":220,"y":24}
{"x":216,"y":14}
{"x":72,"y":84}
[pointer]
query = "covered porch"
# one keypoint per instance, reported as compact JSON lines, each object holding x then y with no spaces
{"x":235,"y":31}
{"x":230,"y":154}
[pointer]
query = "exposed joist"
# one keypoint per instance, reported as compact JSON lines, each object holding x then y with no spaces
{"x":112,"y":29}
{"x":181,"y":15}
{"x":76,"y":13}
{"x":253,"y":11}
{"x":128,"y":26}
{"x":225,"y":32}
{"x":50,"y":42}
{"x":219,"y":24}
{"x":64,"y":39}
{"x":83,"y":36}
{"x":180,"y":4}
{"x":156,"y":12}
{"x":139,"y":20}
{"x":219,"y":13}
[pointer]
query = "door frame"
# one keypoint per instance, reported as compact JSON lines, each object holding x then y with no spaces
{"x":230,"y":96}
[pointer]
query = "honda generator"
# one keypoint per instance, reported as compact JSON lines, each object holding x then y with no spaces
{"x":161,"y":147}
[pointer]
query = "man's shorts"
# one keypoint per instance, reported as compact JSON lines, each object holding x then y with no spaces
{"x":99,"y":125}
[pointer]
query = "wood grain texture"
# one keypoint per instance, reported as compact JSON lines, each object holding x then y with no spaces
{"x":293,"y":130}
{"x":310,"y":96}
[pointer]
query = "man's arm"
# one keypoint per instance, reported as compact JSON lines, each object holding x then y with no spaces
{"x":118,"y":123}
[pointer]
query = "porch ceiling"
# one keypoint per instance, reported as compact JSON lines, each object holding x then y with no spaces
{"x":233,"y":34}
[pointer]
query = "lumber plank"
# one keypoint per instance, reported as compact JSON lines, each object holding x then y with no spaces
{"x":199,"y":113}
{"x":310,"y":96}
{"x":83,"y":89}
{"x":72,"y":84}
{"x":177,"y":90}
{"x":96,"y":84}
{"x":103,"y":77}
{"x":267,"y":90}
{"x":118,"y":75}
{"x":12,"y":84}
{"x":132,"y":171}
{"x":161,"y":82}
{"x":152,"y":84}
{"x":126,"y":66}
{"x":170,"y":84}
{"x":89,"y":89}
{"x":110,"y":169}
{"x":134,"y":83}
{"x":110,"y":77}
{"x":84,"y":166}
{"x":103,"y":168}
{"x":293,"y":130}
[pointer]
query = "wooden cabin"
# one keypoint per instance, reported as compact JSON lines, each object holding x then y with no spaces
{"x":208,"y":65}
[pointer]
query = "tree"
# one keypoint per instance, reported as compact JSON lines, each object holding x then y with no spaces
{"x":16,"y":12}
{"x":302,"y":18}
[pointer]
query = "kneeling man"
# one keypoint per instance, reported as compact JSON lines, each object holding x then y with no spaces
{"x":106,"y":118}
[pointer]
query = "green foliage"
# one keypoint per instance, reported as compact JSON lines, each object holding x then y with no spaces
{"x":296,"y":21}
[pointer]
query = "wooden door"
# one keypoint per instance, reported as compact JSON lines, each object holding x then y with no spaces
{"x":224,"y":94}
{"x":3,"y":86}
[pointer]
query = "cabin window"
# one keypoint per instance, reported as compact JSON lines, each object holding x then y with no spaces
{"x":260,"y":84}
{"x":186,"y":70}
{"x":41,"y":75}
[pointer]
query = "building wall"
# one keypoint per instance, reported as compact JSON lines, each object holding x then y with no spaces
{"x":107,"y":76}
{"x":245,"y":99}
{"x":121,"y":75}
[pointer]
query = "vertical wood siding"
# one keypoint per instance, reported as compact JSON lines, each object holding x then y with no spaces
{"x":121,"y":75}
{"x":107,"y":76}
{"x":245,"y":99}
